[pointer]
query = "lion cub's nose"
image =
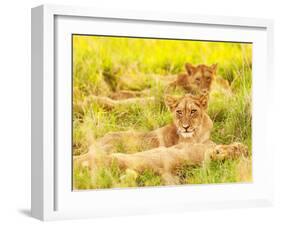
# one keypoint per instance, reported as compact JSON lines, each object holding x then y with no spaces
{"x":185,"y":126}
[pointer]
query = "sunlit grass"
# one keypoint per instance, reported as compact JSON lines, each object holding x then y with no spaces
{"x":103,"y":65}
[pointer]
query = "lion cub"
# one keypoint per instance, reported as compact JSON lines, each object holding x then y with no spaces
{"x":164,"y":161}
{"x":185,"y":140}
{"x":198,"y":79}
{"x":190,"y":124}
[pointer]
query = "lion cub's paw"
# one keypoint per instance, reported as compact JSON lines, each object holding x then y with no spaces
{"x":231,"y":151}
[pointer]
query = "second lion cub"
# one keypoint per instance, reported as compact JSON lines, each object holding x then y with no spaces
{"x":199,"y":79}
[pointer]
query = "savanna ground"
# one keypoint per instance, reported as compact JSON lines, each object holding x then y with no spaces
{"x":102,"y":65}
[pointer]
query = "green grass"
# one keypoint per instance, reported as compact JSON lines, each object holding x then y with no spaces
{"x":103,"y":65}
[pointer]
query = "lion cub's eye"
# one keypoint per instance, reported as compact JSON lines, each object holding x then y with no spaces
{"x":208,"y":79}
{"x":197,"y":79}
{"x":179,"y":112}
{"x":193,"y":111}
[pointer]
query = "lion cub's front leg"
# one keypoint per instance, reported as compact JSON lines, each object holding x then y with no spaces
{"x":231,"y":151}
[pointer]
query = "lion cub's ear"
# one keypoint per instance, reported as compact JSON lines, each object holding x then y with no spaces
{"x":189,"y":68}
{"x":203,"y":100}
{"x":171,"y":102}
{"x":214,"y":67}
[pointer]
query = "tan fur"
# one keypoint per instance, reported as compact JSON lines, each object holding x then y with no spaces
{"x":199,"y":127}
{"x":164,"y":161}
{"x":199,"y":79}
{"x":167,"y":147}
{"x":196,"y":79}
{"x":173,"y":133}
{"x":185,"y":141}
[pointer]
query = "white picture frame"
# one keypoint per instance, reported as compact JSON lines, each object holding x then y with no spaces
{"x":52,"y":197}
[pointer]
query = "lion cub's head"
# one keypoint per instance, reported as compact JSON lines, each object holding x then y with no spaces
{"x":188,"y":112}
{"x":201,"y":76}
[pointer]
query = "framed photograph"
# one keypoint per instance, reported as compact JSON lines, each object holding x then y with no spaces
{"x":137,"y":112}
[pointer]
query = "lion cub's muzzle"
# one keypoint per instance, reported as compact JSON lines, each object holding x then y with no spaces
{"x":186,"y":131}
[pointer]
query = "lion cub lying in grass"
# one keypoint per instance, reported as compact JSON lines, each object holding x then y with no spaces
{"x":164,"y":161}
{"x":191,"y":124}
{"x":185,"y":140}
{"x":198,"y":79}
